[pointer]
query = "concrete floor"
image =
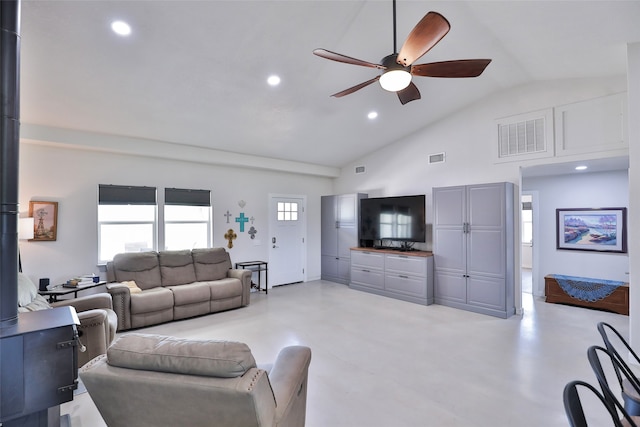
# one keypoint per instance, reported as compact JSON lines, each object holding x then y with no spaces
{"x":382,"y":362}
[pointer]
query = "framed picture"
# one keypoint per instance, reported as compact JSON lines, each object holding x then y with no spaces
{"x":45,"y":220}
{"x":602,"y":229}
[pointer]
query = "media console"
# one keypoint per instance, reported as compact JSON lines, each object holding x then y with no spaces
{"x":407,"y":276}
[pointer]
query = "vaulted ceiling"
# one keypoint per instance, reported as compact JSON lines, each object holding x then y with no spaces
{"x":194,"y":72}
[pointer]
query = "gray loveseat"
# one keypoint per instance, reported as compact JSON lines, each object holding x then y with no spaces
{"x":156,"y":287}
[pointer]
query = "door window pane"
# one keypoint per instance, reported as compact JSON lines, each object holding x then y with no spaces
{"x":287,"y":211}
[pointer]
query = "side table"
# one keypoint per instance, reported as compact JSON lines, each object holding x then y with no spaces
{"x":258,"y":266}
{"x":60,"y":290}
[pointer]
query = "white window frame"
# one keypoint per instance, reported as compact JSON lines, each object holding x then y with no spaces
{"x":192,"y":198}
{"x":132,"y":201}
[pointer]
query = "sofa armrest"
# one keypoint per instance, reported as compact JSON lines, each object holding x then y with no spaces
{"x":121,"y":304}
{"x":245,"y":277}
{"x":289,"y":382}
{"x":89,"y":302}
{"x":94,"y":334}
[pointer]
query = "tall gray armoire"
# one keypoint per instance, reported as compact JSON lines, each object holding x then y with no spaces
{"x":339,"y":233}
{"x":473,"y":248}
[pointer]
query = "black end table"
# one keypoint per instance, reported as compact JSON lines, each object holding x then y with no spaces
{"x":60,"y":290}
{"x":258,"y":266}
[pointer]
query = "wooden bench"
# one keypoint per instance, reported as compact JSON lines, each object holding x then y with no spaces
{"x":617,"y":301}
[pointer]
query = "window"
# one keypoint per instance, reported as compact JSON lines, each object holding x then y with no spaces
{"x":287,"y":211}
{"x":187,"y":219}
{"x":127,"y":220}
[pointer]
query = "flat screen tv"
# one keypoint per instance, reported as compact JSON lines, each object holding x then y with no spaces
{"x":400,"y":219}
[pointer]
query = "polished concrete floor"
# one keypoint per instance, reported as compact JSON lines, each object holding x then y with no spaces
{"x":383,"y":362}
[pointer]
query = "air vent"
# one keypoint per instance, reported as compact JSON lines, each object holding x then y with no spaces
{"x":436,"y":158}
{"x":525,"y":137}
{"x":360,"y":169}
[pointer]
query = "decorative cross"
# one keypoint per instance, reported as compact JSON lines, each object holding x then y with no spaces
{"x":252,"y":231}
{"x":242,"y":219}
{"x":228,"y":215}
{"x":252,"y":219}
{"x":230,"y":235}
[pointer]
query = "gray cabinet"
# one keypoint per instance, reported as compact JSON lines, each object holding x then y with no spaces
{"x":406,"y":276}
{"x":473,"y":248}
{"x":339,"y":222}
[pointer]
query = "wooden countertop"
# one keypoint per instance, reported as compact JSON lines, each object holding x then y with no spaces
{"x":395,"y":252}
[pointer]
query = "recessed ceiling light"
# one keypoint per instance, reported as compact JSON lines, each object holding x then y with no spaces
{"x":372,"y":115}
{"x":273,"y":80}
{"x":580,"y":168}
{"x":121,"y":28}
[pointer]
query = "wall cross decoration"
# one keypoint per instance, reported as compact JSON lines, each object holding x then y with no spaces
{"x":252,"y":231}
{"x":230,"y":235}
{"x":252,"y":219}
{"x":242,"y":219}
{"x":228,"y":215}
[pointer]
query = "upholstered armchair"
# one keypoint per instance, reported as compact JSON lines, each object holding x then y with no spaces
{"x":98,"y":321}
{"x":152,"y":380}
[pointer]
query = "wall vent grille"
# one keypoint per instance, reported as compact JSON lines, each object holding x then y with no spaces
{"x":360,"y":169}
{"x":525,"y":137}
{"x":436,"y":158}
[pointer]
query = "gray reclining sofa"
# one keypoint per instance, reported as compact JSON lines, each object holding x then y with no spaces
{"x":171,"y":285}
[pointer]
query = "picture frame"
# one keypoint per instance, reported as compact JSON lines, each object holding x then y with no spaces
{"x":592,"y":229}
{"x":45,"y":220}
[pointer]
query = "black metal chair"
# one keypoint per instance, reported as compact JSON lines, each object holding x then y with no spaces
{"x":596,"y":356}
{"x":629,"y":383}
{"x":575,"y":411}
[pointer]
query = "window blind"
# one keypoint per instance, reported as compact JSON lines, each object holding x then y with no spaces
{"x":181,"y":196}
{"x":126,"y":195}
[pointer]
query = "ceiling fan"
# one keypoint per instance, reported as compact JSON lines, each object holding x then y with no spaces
{"x":398,"y":69}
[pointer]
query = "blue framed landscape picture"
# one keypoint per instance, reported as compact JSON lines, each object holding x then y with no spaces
{"x":601,"y":229}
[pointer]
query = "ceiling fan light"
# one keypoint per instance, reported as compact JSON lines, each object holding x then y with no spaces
{"x":395,"y":80}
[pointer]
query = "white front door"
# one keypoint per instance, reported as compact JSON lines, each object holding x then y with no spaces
{"x":287,"y":249}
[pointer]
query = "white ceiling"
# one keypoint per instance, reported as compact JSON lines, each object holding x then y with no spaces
{"x":194,"y":72}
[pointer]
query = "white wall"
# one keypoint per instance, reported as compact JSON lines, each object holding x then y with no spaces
{"x":467,"y":137}
{"x":587,"y":190}
{"x":633,"y":71}
{"x":71,"y":176}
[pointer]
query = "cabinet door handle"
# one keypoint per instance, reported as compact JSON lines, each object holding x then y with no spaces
{"x":403,"y":277}
{"x":366,"y":271}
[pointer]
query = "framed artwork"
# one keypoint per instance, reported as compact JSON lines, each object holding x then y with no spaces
{"x":601,"y":229}
{"x":45,"y":220}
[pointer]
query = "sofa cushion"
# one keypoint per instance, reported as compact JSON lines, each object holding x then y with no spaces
{"x":211,"y":263}
{"x":176,"y":267}
{"x":151,"y":300}
{"x":27,"y":290}
{"x":141,"y":267}
{"x":224,"y":359}
{"x":190,"y":293}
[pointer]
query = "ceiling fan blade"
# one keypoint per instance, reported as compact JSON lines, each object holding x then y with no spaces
{"x":425,"y":35}
{"x":356,"y":87}
{"x":327,"y":54}
{"x":408,"y":94}
{"x":459,"y":68}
